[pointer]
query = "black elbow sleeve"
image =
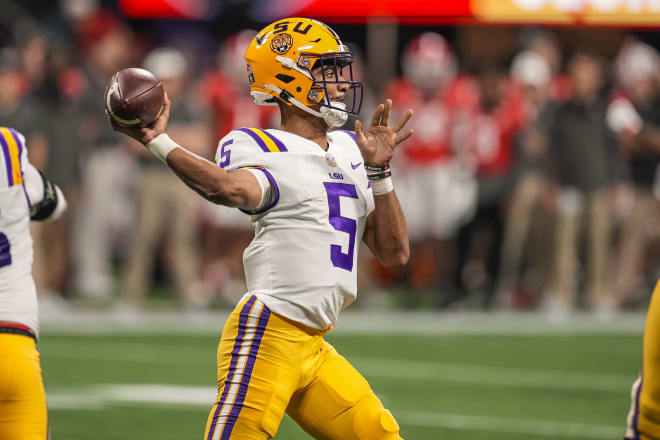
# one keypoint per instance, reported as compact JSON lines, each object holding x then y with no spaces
{"x":44,"y":209}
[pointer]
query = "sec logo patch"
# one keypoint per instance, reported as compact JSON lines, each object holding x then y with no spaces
{"x":330,"y":160}
{"x":281,"y":43}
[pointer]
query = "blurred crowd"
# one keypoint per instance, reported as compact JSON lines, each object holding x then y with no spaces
{"x":529,"y":184}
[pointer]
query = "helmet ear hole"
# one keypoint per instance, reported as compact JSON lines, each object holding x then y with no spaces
{"x":298,"y":89}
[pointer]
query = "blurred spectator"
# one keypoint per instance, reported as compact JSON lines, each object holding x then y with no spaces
{"x":545,"y":44}
{"x":45,"y":60}
{"x":166,"y":208}
{"x":489,"y":134}
{"x":531,"y":72}
{"x":18,"y":108}
{"x":228,"y":90}
{"x":585,"y":154}
{"x":635,"y":115}
{"x":107,"y":169}
{"x":436,"y":189}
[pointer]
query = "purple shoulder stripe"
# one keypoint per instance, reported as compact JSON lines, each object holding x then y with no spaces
{"x":279,"y":143}
{"x":17,"y":138}
{"x":5,"y":150}
{"x":256,"y":138}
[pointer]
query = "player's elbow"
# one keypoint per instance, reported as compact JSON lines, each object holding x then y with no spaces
{"x":227,"y":193}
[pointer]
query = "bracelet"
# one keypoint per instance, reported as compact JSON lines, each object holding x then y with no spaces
{"x":161,"y":146}
{"x":379,"y":176}
{"x":376,"y":168}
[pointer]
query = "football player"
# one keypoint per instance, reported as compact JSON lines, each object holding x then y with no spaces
{"x":644,"y":415}
{"x":25,"y":194}
{"x":312,"y":195}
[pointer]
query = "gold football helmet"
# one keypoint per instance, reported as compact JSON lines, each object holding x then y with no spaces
{"x":280,"y":60}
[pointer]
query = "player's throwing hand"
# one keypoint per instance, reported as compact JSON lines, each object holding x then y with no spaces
{"x":378,"y":144}
{"x":146,"y":134}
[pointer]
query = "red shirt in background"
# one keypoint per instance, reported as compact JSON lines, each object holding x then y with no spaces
{"x":233,"y":107}
{"x":490,"y":134}
{"x":435,"y":116}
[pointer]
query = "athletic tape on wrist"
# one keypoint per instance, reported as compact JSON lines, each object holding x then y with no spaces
{"x":382,"y":186}
{"x":161,"y":146}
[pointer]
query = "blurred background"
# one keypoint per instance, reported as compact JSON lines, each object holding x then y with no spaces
{"x":530,"y":190}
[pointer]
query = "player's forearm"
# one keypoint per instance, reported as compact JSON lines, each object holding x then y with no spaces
{"x":390,"y":235}
{"x":206,"y":179}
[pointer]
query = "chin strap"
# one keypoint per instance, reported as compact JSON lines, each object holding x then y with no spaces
{"x":334,"y":117}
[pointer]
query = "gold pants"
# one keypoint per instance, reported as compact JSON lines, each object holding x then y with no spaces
{"x":268,"y":365}
{"x":23,"y":413}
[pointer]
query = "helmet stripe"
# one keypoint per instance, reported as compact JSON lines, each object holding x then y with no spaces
{"x":334,"y":34}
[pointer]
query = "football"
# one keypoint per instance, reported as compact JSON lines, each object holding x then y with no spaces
{"x":134,"y":97}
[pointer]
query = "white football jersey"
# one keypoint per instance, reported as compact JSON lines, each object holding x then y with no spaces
{"x":20,"y":185}
{"x":302,"y":262}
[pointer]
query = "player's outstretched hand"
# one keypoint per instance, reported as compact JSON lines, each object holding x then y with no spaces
{"x":144,"y":135}
{"x":378,"y":143}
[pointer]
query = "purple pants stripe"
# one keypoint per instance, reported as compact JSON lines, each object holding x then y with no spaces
{"x":636,"y":415}
{"x":247,"y":374}
{"x":279,"y":143}
{"x":5,"y":149}
{"x":256,"y":137}
{"x":242,"y":323}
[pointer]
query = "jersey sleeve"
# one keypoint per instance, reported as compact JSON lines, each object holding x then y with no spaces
{"x":247,"y":148}
{"x":244,"y":147}
{"x":45,"y":199}
{"x":13,"y":156}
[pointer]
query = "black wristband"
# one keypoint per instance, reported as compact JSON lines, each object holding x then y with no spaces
{"x":380,"y":176}
{"x":376,"y":167}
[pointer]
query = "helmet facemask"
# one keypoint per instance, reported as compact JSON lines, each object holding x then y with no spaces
{"x":340,"y":63}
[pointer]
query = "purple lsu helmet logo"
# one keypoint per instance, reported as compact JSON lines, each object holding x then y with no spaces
{"x":281,"y":43}
{"x":330,"y":160}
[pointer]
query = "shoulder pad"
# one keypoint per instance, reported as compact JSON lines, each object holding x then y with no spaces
{"x":349,"y":133}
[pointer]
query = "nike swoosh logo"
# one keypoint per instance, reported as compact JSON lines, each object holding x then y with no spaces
{"x":356,"y":165}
